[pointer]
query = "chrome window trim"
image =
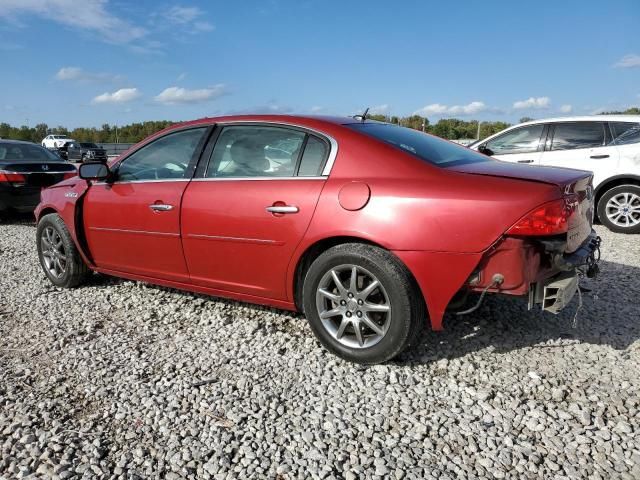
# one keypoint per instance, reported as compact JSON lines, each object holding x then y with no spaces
{"x":226,"y":179}
{"x":333,"y":144}
{"x":164,"y":180}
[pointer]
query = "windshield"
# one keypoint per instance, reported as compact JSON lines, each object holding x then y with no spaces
{"x":88,"y":145}
{"x":25,"y":151}
{"x":59,"y":137}
{"x":426,"y":147}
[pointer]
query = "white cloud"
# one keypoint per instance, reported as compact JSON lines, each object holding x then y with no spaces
{"x":89,"y":15}
{"x":174,"y":95}
{"x":316,"y":109}
{"x":566,"y":108}
{"x":181,"y":77}
{"x":533,"y":102}
{"x":189,"y":17}
{"x":628,"y":61}
{"x":119,"y":96}
{"x":439,"y":109}
{"x":80,"y":75}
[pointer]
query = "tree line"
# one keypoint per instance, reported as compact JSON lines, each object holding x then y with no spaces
{"x":449,"y":128}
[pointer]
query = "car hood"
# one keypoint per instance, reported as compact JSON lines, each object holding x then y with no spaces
{"x":496,"y":168}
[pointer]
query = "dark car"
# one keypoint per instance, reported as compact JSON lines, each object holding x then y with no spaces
{"x":85,"y":151}
{"x":25,"y":169}
{"x":63,"y":151}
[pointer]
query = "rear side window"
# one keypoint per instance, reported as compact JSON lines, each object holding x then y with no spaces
{"x":571,"y":136}
{"x":625,"y":133}
{"x":313,"y":158}
{"x":249,"y":151}
{"x":519,"y":140}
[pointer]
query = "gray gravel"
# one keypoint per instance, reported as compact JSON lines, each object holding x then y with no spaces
{"x":123,"y":379}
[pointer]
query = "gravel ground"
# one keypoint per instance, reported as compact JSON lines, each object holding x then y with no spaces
{"x":123,"y":379}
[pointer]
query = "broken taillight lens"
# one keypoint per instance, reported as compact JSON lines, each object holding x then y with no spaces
{"x":551,"y":218}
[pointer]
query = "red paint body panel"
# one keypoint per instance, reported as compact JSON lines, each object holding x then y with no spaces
{"x":124,"y":234}
{"x":230,"y":240}
{"x":443,"y":223}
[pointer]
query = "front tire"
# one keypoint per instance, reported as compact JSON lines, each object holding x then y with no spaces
{"x":619,"y":209}
{"x":362,"y":303}
{"x":58,"y":255}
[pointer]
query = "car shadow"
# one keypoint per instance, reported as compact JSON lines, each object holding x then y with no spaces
{"x":609,"y":316}
{"x":15,"y":218}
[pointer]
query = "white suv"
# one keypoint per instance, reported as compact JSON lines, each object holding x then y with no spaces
{"x":55,"y":141}
{"x":607,"y":145}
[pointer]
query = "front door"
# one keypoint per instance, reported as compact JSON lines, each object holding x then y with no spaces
{"x":520,"y":145}
{"x":581,"y":145}
{"x":242,"y":221}
{"x":133,"y":222}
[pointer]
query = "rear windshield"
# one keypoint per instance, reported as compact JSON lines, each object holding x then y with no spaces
{"x":88,"y":145}
{"x":426,"y":147}
{"x":25,"y":151}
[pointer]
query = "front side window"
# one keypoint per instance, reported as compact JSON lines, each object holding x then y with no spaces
{"x":571,"y":136}
{"x":519,"y":140}
{"x":625,"y":133}
{"x":256,"y":151}
{"x":167,"y":158}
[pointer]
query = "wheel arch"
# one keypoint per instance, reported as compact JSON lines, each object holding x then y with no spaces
{"x":320,"y":246}
{"x":45,"y":211}
{"x":613,"y":182}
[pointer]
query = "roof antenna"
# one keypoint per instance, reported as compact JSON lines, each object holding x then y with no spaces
{"x":362,"y":117}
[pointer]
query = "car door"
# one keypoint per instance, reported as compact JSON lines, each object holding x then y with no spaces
{"x":73,"y":152}
{"x":242,"y":220}
{"x":582,"y":145}
{"x":132,"y":224}
{"x":522,"y":144}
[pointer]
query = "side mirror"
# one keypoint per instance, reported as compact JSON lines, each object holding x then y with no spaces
{"x":94,"y":171}
{"x":483,"y":149}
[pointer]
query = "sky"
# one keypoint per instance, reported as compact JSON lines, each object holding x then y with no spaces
{"x":84,"y":63}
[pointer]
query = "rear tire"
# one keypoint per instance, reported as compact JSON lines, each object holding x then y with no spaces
{"x":619,"y":209}
{"x":59,"y":257}
{"x":362,"y":321}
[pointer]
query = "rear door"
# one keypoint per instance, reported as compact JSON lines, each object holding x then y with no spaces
{"x":242,"y":220}
{"x":520,"y":145}
{"x":132,"y":224}
{"x":581,"y":145}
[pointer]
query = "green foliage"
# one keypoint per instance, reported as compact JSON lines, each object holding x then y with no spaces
{"x":628,"y":111}
{"x":449,"y":128}
{"x":106,"y":134}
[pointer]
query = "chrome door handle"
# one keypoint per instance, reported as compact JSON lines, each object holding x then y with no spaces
{"x":525,"y":161}
{"x":599,"y":156}
{"x":160,"y":207}
{"x":283,"y":209}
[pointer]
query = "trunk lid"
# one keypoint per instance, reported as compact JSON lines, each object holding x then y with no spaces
{"x":37,"y":174}
{"x":574,"y":186}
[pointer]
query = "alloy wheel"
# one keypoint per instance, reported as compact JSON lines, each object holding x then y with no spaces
{"x":624,"y":209}
{"x":53,"y":252}
{"x":353,"y":306}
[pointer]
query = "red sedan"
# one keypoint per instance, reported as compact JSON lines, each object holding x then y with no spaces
{"x":372,"y":230}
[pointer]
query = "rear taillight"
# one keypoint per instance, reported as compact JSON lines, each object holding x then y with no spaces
{"x":552,"y":218}
{"x":12,"y":178}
